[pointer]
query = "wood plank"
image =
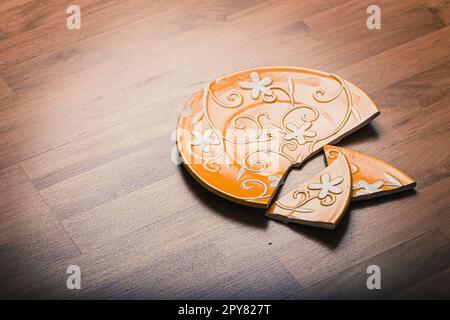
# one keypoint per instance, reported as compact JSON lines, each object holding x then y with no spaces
{"x":95,"y":150}
{"x":346,"y":39}
{"x":436,"y":286}
{"x":113,"y":180}
{"x":445,"y":227}
{"x":131,"y":212}
{"x":401,"y":267}
{"x":5,"y":91}
{"x":12,"y":4}
{"x":261,"y":19}
{"x":440,"y":8}
{"x":171,"y":259}
{"x":30,"y":235}
{"x":401,"y":62}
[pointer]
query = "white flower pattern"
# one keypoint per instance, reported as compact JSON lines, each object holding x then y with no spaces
{"x":300,"y":133}
{"x":327,"y":185}
{"x":204,"y":140}
{"x":257,"y":85}
{"x":367,"y":188}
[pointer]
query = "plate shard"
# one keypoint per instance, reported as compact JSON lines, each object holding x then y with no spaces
{"x":372,"y":177}
{"x":245,"y":130}
{"x":321,"y":201}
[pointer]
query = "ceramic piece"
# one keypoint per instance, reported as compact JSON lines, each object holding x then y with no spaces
{"x":371,"y":176}
{"x":240,"y":134}
{"x":320,"y":201}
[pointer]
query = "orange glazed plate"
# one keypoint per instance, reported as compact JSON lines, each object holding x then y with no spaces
{"x":240,"y":134}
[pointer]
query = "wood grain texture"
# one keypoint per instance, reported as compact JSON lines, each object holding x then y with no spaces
{"x":86,"y":118}
{"x":5,"y":91}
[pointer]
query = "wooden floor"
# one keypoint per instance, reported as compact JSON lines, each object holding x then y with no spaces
{"x":86,"y":118}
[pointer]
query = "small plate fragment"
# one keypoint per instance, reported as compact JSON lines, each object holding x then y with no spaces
{"x":371,"y":176}
{"x":321,"y":201}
